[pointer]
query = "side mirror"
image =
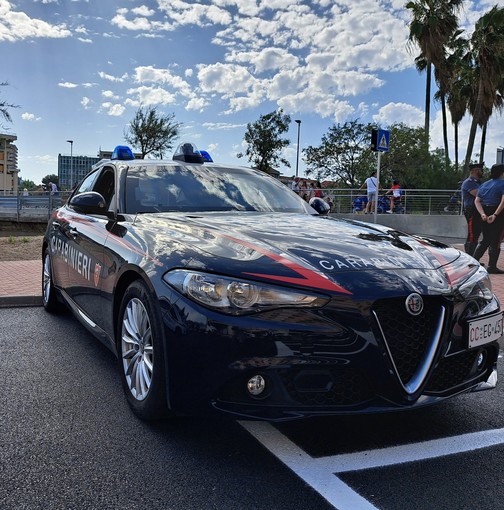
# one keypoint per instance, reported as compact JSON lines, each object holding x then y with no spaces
{"x":89,"y":202}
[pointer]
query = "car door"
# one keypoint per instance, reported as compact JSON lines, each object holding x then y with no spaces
{"x":86,"y":238}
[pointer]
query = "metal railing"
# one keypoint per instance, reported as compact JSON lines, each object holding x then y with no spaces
{"x":34,"y":206}
{"x":413,"y":201}
{"x":38,"y":205}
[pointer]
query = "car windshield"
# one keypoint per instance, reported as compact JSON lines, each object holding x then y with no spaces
{"x":162,"y":188}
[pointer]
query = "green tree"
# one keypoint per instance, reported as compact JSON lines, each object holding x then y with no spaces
{"x":28,"y":184}
{"x":459,"y":90}
{"x":151,"y":132}
{"x":265,"y":143}
{"x":433,"y":24}
{"x":343,"y":155}
{"x":487,"y":43}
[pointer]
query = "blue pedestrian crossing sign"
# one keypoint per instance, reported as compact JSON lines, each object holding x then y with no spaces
{"x":380,"y":140}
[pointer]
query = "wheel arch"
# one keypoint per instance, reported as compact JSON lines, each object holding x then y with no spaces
{"x":125,"y":280}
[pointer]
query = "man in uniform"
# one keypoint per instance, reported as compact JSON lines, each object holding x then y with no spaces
{"x":469,"y":191}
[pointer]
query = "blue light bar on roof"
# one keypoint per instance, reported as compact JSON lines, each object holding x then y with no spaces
{"x":189,"y":153}
{"x":206,"y":156}
{"x":122,"y":152}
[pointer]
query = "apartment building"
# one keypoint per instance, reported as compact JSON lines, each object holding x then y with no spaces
{"x":8,"y":164}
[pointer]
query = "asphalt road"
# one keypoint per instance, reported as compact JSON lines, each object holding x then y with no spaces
{"x":68,"y":440}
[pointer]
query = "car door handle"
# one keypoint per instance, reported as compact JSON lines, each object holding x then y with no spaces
{"x":73,"y":232}
{"x":55,"y":225}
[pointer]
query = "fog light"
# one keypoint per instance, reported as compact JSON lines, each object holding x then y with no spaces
{"x":481,"y":359}
{"x":256,"y":385}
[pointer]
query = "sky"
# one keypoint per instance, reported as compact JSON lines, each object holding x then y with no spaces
{"x":80,"y":69}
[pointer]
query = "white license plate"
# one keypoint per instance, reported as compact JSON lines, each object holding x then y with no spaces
{"x":485,"y":330}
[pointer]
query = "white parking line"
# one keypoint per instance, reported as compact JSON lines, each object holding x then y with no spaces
{"x":320,"y":473}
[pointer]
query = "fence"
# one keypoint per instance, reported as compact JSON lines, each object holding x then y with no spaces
{"x":413,"y":201}
{"x":37,"y":206}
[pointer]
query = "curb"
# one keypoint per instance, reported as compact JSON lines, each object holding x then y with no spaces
{"x":20,"y":301}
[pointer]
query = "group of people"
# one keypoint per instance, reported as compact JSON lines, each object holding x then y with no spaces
{"x":307,"y":190}
{"x":483,"y":205}
{"x":372,"y":188}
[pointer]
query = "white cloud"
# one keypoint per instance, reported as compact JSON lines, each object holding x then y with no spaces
{"x":67,"y":85}
{"x":399,"y":112}
{"x":114,"y":110}
{"x":109,"y":77}
{"x":148,"y":96}
{"x":15,"y":25}
{"x":85,"y":102}
{"x":30,"y":117}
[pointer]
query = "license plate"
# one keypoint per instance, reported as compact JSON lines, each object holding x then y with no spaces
{"x":485,"y":330}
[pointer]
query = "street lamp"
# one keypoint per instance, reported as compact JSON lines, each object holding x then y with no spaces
{"x":298,"y":122}
{"x":71,"y":163}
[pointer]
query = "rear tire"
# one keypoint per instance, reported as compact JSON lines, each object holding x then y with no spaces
{"x":140,"y":347}
{"x":49,"y":297}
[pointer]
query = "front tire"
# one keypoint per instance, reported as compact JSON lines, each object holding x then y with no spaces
{"x":141,"y":353}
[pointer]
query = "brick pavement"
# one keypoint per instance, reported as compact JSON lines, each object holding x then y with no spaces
{"x":20,"y":282}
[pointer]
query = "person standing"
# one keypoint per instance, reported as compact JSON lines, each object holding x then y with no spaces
{"x":371,"y":184}
{"x":395,"y":194}
{"x":489,"y":203}
{"x":469,"y":191}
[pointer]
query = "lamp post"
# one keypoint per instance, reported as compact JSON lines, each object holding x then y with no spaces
{"x":71,"y":163}
{"x":298,"y":122}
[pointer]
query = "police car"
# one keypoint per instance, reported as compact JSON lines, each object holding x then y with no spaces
{"x":222,"y":291}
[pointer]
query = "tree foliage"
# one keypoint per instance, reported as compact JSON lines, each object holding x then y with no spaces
{"x":4,"y":108}
{"x":50,"y":178}
{"x":345,"y":156}
{"x":265,"y":143}
{"x":28,"y":184}
{"x":151,"y":132}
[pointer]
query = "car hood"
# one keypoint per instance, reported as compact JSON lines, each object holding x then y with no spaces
{"x":335,"y":246}
{"x":338,"y":256}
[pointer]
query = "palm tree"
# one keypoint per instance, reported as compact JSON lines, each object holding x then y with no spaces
{"x":487,"y":44}
{"x":459,"y":86}
{"x":433,"y":24}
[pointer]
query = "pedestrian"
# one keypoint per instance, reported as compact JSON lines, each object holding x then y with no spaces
{"x":318,"y":190}
{"x":489,"y":203}
{"x":395,"y":194}
{"x":295,"y":185}
{"x":469,"y":191}
{"x":371,"y":184}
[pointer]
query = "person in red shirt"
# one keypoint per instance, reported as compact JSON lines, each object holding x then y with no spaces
{"x":395,"y":194}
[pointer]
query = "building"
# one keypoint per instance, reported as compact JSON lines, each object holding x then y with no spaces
{"x":78,"y":167}
{"x":72,"y":169}
{"x":8,"y":164}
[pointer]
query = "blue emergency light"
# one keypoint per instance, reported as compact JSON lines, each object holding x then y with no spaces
{"x":122,"y":152}
{"x":189,"y":153}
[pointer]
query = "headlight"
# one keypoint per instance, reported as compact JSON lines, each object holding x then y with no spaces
{"x":234,"y":296}
{"x":478,"y":285}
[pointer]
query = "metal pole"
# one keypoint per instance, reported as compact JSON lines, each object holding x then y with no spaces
{"x":71,"y":163}
{"x":377,"y":187}
{"x":298,"y":122}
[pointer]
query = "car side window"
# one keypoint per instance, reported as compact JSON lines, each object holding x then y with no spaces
{"x":87,"y":184}
{"x":105,"y":184}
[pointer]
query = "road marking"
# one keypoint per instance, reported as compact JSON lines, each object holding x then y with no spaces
{"x":320,"y":473}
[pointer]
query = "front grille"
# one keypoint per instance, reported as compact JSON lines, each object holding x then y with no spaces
{"x":330,"y":387}
{"x":452,"y":371}
{"x":407,"y":336}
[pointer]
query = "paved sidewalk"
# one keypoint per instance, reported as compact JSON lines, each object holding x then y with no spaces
{"x":21,"y":282}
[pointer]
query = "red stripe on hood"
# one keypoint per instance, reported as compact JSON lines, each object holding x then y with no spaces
{"x":309,"y":277}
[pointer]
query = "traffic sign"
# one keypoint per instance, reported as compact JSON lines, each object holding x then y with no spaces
{"x":380,"y":140}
